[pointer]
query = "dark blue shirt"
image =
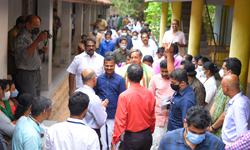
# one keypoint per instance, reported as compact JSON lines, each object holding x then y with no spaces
{"x":129,"y":42}
{"x":182,"y":100}
{"x":110,"y":88}
{"x":174,"y":140}
{"x":105,"y":47}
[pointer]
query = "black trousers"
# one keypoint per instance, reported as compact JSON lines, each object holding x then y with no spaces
{"x":28,"y":82}
{"x":99,"y":136}
{"x":137,"y":140}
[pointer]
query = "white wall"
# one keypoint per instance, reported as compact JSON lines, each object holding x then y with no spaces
{"x":15,"y":10}
{"x":230,"y":23}
{"x":217,"y":20}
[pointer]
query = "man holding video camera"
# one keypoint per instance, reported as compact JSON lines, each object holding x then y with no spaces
{"x":27,"y":56}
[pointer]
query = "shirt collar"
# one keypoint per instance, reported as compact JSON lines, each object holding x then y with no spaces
{"x":184,"y":90}
{"x":75,"y":120}
{"x":88,"y":88}
{"x":173,"y":32}
{"x":86,"y":55}
{"x":33,"y":124}
{"x":113,"y":75}
{"x":234,"y":98}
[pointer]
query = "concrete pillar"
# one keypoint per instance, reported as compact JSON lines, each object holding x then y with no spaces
{"x":240,"y":37}
{"x":13,"y":15}
{"x":107,"y":12}
{"x":66,"y":33}
{"x":31,"y":7}
{"x":176,"y":11}
{"x":93,"y":13}
{"x":78,"y":22}
{"x":45,"y":12}
{"x":3,"y":38}
{"x":98,"y":9}
{"x":195,"y":27}
{"x":87,"y":18}
{"x":59,"y":14}
{"x":164,"y":20}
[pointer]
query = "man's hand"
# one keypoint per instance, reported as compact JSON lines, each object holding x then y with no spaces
{"x":167,"y":47}
{"x":45,"y":49}
{"x":113,"y":147}
{"x":105,"y":103}
{"x":209,"y":129}
{"x":42,"y":36}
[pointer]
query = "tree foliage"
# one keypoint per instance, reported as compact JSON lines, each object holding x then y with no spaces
{"x":153,"y":13}
{"x":211,"y":10}
{"x":125,"y":7}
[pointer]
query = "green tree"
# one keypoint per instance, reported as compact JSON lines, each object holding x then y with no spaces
{"x":125,"y":7}
{"x":153,"y":13}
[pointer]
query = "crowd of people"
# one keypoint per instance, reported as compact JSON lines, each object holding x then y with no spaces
{"x":130,"y":94}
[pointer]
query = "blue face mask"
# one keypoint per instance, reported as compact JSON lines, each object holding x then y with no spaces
{"x":124,"y":34}
{"x":131,"y":27}
{"x":14,"y":94}
{"x":199,"y":68}
{"x":195,"y":138}
{"x":203,"y":75}
{"x":95,"y":31}
{"x":134,"y":37}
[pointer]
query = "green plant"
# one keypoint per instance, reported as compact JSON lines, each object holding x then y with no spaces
{"x":125,"y":7}
{"x":206,"y":16}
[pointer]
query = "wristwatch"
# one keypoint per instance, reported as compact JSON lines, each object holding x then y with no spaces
{"x":112,"y":144}
{"x":212,"y":127}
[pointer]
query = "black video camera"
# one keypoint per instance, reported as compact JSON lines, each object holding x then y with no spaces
{"x":48,"y":34}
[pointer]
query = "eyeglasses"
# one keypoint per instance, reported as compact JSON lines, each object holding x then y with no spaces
{"x":90,"y":45}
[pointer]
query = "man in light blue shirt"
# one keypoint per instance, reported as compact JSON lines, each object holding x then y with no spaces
{"x":237,"y":119}
{"x":27,"y":133}
{"x":106,"y":45}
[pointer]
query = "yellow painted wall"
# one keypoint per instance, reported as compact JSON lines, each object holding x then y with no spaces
{"x":229,"y":3}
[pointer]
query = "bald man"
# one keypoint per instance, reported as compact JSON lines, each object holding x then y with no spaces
{"x":237,"y":119}
{"x":27,"y":56}
{"x":96,"y":115}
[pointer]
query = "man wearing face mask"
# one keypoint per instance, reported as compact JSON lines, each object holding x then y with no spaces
{"x":135,"y":40}
{"x":124,"y":35}
{"x":120,"y":53}
{"x":106,"y":45}
{"x":218,"y":110}
{"x":27,"y":56}
{"x":27,"y":133}
{"x":20,"y":23}
{"x":182,"y":100}
{"x":101,"y":23}
{"x":193,"y":135}
{"x":97,"y":36}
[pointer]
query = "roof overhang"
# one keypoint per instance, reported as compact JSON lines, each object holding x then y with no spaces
{"x":209,"y":2}
{"x":93,"y":2}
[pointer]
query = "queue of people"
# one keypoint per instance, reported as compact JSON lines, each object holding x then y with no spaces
{"x":130,"y":94}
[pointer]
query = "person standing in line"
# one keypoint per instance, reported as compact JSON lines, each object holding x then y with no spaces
{"x":97,"y":36}
{"x":101,"y":23}
{"x":106,"y":45}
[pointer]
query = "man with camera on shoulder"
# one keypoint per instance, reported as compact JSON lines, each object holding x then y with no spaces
{"x":27,"y":56}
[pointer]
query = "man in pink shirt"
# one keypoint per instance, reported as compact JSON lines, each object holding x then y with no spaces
{"x":177,"y":62}
{"x":160,"y":86}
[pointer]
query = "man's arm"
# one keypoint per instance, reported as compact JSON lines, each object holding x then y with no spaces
{"x":240,"y":119}
{"x":218,"y":123}
{"x":71,"y":83}
{"x":169,"y":59}
{"x":122,"y":86}
{"x":100,"y":50}
{"x":98,"y":111}
{"x":241,"y":144}
{"x":41,"y":37}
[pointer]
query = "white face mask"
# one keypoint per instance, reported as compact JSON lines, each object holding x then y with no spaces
{"x":107,"y":41}
{"x":222,"y":74}
{"x":6,"y":96}
{"x":199,"y":68}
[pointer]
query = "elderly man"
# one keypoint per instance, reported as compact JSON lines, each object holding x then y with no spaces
{"x":237,"y":119}
{"x":148,"y":72}
{"x":194,"y":135}
{"x":88,"y":59}
{"x":72,"y":130}
{"x":182,"y":100}
{"x":27,"y":56}
{"x":109,"y":86}
{"x":138,"y":123}
{"x":160,"y":86}
{"x":96,"y":115}
{"x":146,"y":47}
{"x":220,"y":106}
{"x":101,"y":23}
{"x":27,"y":133}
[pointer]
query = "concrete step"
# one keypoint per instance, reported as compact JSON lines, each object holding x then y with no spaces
{"x":204,"y":51}
{"x":185,"y":17}
{"x":203,"y":44}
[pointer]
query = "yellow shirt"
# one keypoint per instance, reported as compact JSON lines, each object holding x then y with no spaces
{"x":101,"y":24}
{"x":97,"y":37}
{"x":11,"y":37}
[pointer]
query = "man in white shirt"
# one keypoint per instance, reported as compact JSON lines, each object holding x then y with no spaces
{"x":135,"y":40}
{"x":146,"y":47}
{"x":174,"y":35}
{"x":88,"y":59}
{"x":73,"y":134}
{"x":96,"y":115}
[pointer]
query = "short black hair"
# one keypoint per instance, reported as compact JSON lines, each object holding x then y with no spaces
{"x":160,"y":50}
{"x":78,"y":103}
{"x":109,"y":58}
{"x":204,"y":59}
{"x":197,"y":57}
{"x":148,"y":58}
{"x":164,"y":63}
{"x":10,"y":82}
{"x":99,"y":16}
{"x":198,"y":116}
{"x":135,"y":32}
{"x":109,"y":53}
{"x":24,"y":102}
{"x":108,"y":26}
{"x":189,"y":67}
{"x":179,"y":75}
{"x":83,"y":36}
{"x":188,"y":57}
{"x":146,"y":24}
{"x":144,"y":34}
{"x":89,"y":39}
{"x":176,"y":48}
{"x":3,"y":84}
{"x":123,"y":39}
{"x":20,"y":20}
{"x":107,"y":33}
{"x":95,"y":26}
{"x":210,"y":66}
{"x":54,"y":10}
{"x":144,"y":30}
{"x":39,"y":104}
{"x":233,"y":64}
{"x":176,"y":21}
{"x":135,"y":73}
{"x":124,"y":29}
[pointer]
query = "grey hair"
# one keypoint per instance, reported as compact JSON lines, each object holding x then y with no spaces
{"x":39,"y":104}
{"x":89,"y":77}
{"x":136,"y":50}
